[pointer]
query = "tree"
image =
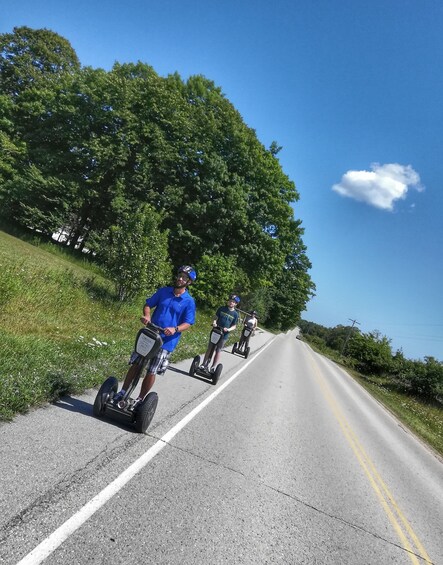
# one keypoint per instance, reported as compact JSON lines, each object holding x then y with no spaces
{"x":422,"y":378}
{"x":97,"y":144}
{"x":29,"y":56}
{"x":11,"y":149}
{"x":218,"y":277}
{"x":337,"y":337}
{"x":135,"y":254}
{"x":33,"y":66}
{"x":371,"y":351}
{"x":292,"y":287}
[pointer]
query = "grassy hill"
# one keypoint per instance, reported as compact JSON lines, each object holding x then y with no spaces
{"x":61,"y":329}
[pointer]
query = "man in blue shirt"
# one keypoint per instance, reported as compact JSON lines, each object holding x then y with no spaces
{"x":175,"y":313}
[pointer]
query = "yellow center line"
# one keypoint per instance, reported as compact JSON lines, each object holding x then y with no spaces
{"x":383,"y":494}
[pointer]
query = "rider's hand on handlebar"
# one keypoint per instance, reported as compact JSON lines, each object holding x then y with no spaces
{"x":144,"y":320}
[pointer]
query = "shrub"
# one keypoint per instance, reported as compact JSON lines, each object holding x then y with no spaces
{"x":135,"y":254}
{"x":218,"y":277}
{"x":371,"y":351}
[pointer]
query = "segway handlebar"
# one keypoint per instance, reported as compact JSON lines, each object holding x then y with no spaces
{"x":154,"y":327}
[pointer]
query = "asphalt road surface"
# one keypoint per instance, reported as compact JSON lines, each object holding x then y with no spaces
{"x":286,"y":460}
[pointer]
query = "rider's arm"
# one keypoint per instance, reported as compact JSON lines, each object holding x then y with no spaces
{"x":234,"y":325}
{"x":182,"y":327}
{"x":231,"y":328}
{"x":146,"y":318}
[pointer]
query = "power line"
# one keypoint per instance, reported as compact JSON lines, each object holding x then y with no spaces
{"x":349,"y":334}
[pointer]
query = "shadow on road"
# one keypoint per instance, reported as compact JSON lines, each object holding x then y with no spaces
{"x":175,"y":370}
{"x":74,"y":405}
{"x":196,"y":377}
{"x":82,"y":407}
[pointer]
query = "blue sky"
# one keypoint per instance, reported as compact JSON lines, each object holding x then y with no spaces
{"x":352,"y":90}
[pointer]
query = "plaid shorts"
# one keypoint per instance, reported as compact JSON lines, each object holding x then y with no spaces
{"x":157,"y":365}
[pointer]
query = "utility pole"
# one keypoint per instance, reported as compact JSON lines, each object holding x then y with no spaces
{"x":349,"y":334}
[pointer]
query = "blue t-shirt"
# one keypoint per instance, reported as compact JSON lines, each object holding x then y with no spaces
{"x":171,"y":311}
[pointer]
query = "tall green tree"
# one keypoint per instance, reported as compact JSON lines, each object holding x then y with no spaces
{"x":29,"y":56}
{"x":97,"y":144}
{"x":11,"y":149}
{"x":33,"y":65}
{"x":135,"y":254}
{"x":218,"y":277}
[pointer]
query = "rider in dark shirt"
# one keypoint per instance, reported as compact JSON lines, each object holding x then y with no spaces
{"x":226,"y":318}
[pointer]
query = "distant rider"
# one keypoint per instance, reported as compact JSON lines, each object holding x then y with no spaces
{"x":250,"y":322}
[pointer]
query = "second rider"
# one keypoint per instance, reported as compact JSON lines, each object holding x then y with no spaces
{"x":226,"y":318}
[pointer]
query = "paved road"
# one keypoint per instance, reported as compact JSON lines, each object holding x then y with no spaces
{"x":287,"y":460}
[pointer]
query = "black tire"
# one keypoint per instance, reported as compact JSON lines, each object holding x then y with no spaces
{"x":247,"y":352}
{"x":217,"y":373}
{"x":144,"y":412}
{"x":234,"y":347}
{"x":108,"y":388}
{"x":194,"y":365}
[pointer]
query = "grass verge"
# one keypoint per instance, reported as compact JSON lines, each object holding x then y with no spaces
{"x":423,"y":417}
{"x":61,"y":329}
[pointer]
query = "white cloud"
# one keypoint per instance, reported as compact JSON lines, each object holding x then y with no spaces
{"x":381,"y":186}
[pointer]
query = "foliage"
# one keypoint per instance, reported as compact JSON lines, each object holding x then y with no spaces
{"x":135,"y":255}
{"x":371,"y":355}
{"x":338,"y":337}
{"x":10,"y":150}
{"x":259,"y":299}
{"x":83,"y":146}
{"x":422,"y":378}
{"x":292,"y":286}
{"x":29,"y":56}
{"x":371,"y":351}
{"x":218,"y":277}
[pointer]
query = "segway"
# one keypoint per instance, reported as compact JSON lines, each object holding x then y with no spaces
{"x":242,"y":347}
{"x":147,"y":344}
{"x":215,"y":336}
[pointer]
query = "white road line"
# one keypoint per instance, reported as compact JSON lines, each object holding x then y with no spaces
{"x":52,"y":542}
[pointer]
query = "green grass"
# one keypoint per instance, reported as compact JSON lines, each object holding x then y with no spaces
{"x":423,"y":417}
{"x":61,"y":329}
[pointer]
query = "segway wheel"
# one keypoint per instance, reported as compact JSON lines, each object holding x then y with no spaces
{"x":217,"y":373}
{"x":108,"y":388}
{"x":194,"y":365}
{"x":145,"y":412}
{"x":234,"y":347}
{"x":247,"y":352}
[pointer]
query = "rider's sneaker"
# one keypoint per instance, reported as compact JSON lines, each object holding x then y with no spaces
{"x":135,"y":404}
{"x":212,"y":369}
{"x":119,"y":396}
{"x":203,"y":367}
